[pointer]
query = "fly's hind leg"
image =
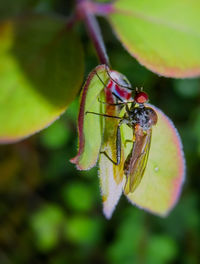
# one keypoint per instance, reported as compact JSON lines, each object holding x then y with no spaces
{"x":128,"y":141}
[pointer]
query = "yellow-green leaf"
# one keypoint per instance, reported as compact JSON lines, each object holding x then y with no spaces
{"x":41,"y":68}
{"x":111,"y":176}
{"x":160,"y":187}
{"x":164,"y":36}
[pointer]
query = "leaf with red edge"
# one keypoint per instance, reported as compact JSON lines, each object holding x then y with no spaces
{"x":111,"y":176}
{"x":90,"y":126}
{"x":164,"y":36}
{"x":161,"y":184}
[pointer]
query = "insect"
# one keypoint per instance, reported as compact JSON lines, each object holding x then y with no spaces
{"x":140,"y":118}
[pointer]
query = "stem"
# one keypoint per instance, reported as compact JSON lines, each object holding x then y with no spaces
{"x":85,"y":10}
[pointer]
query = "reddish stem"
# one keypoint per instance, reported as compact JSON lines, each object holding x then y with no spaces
{"x":85,"y":11}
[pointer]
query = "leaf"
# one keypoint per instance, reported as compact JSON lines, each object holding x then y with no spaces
{"x":39,"y":76}
{"x":71,"y":195}
{"x":187,"y":88}
{"x":160,"y":187}
{"x":83,"y":230}
{"x":46,"y":224}
{"x":111,"y":176}
{"x":163,"y":36}
{"x":10,"y":8}
{"x":90,"y":126}
{"x":55,"y":136}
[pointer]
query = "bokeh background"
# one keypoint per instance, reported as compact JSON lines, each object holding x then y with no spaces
{"x":52,"y":213}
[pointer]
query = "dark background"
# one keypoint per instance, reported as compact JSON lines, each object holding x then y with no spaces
{"x":52,"y":213}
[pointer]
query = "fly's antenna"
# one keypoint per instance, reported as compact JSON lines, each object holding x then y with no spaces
{"x":121,"y":85}
{"x":138,"y":90}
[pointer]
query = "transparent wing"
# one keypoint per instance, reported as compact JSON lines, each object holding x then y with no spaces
{"x":137,"y":160}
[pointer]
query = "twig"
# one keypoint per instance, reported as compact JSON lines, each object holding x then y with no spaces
{"x":85,"y":11}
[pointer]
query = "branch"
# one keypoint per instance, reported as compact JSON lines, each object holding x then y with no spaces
{"x":86,"y":10}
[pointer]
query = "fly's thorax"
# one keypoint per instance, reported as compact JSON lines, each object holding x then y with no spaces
{"x":143,"y":116}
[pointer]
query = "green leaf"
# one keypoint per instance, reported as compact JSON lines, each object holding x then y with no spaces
{"x":196,"y":128}
{"x":161,"y":249}
{"x":10,"y":8}
{"x":111,"y":176}
{"x":164,"y":36}
{"x":83,"y":230}
{"x":39,"y":76}
{"x":78,"y":196}
{"x":128,"y":238}
{"x":56,"y":135}
{"x":46,"y":224}
{"x":161,"y":184}
{"x":188,"y":88}
{"x":90,"y":126}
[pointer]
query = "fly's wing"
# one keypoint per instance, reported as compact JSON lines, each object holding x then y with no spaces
{"x":137,"y":160}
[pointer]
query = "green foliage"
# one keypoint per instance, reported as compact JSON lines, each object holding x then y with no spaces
{"x":162,"y":249}
{"x":56,"y":135}
{"x":83,"y":230}
{"x":46,"y":224}
{"x":197,"y":127}
{"x":187,"y":88}
{"x":78,"y":196}
{"x":11,"y":8}
{"x":128,"y":238}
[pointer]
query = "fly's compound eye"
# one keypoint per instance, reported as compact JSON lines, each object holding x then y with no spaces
{"x":141,"y":97}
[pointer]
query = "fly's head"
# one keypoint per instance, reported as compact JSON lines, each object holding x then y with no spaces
{"x":141,"y":97}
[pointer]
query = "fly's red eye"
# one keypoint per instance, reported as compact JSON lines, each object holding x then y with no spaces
{"x":141,"y":98}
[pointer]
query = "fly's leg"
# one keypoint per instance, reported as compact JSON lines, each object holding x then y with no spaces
{"x":118,"y":138}
{"x":121,"y":103}
{"x":109,"y":103}
{"x":128,"y":141}
{"x":118,"y":146}
{"x":125,"y":86}
{"x":105,"y":87}
{"x":116,"y":117}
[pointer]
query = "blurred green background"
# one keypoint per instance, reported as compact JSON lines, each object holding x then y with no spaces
{"x":52,"y":213}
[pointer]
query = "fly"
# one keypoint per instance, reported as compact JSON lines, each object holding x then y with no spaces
{"x":140,"y":118}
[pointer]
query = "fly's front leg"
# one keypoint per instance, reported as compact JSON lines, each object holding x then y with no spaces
{"x":118,"y":146}
{"x":128,"y":141}
{"x":89,"y":112}
{"x":114,"y":104}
